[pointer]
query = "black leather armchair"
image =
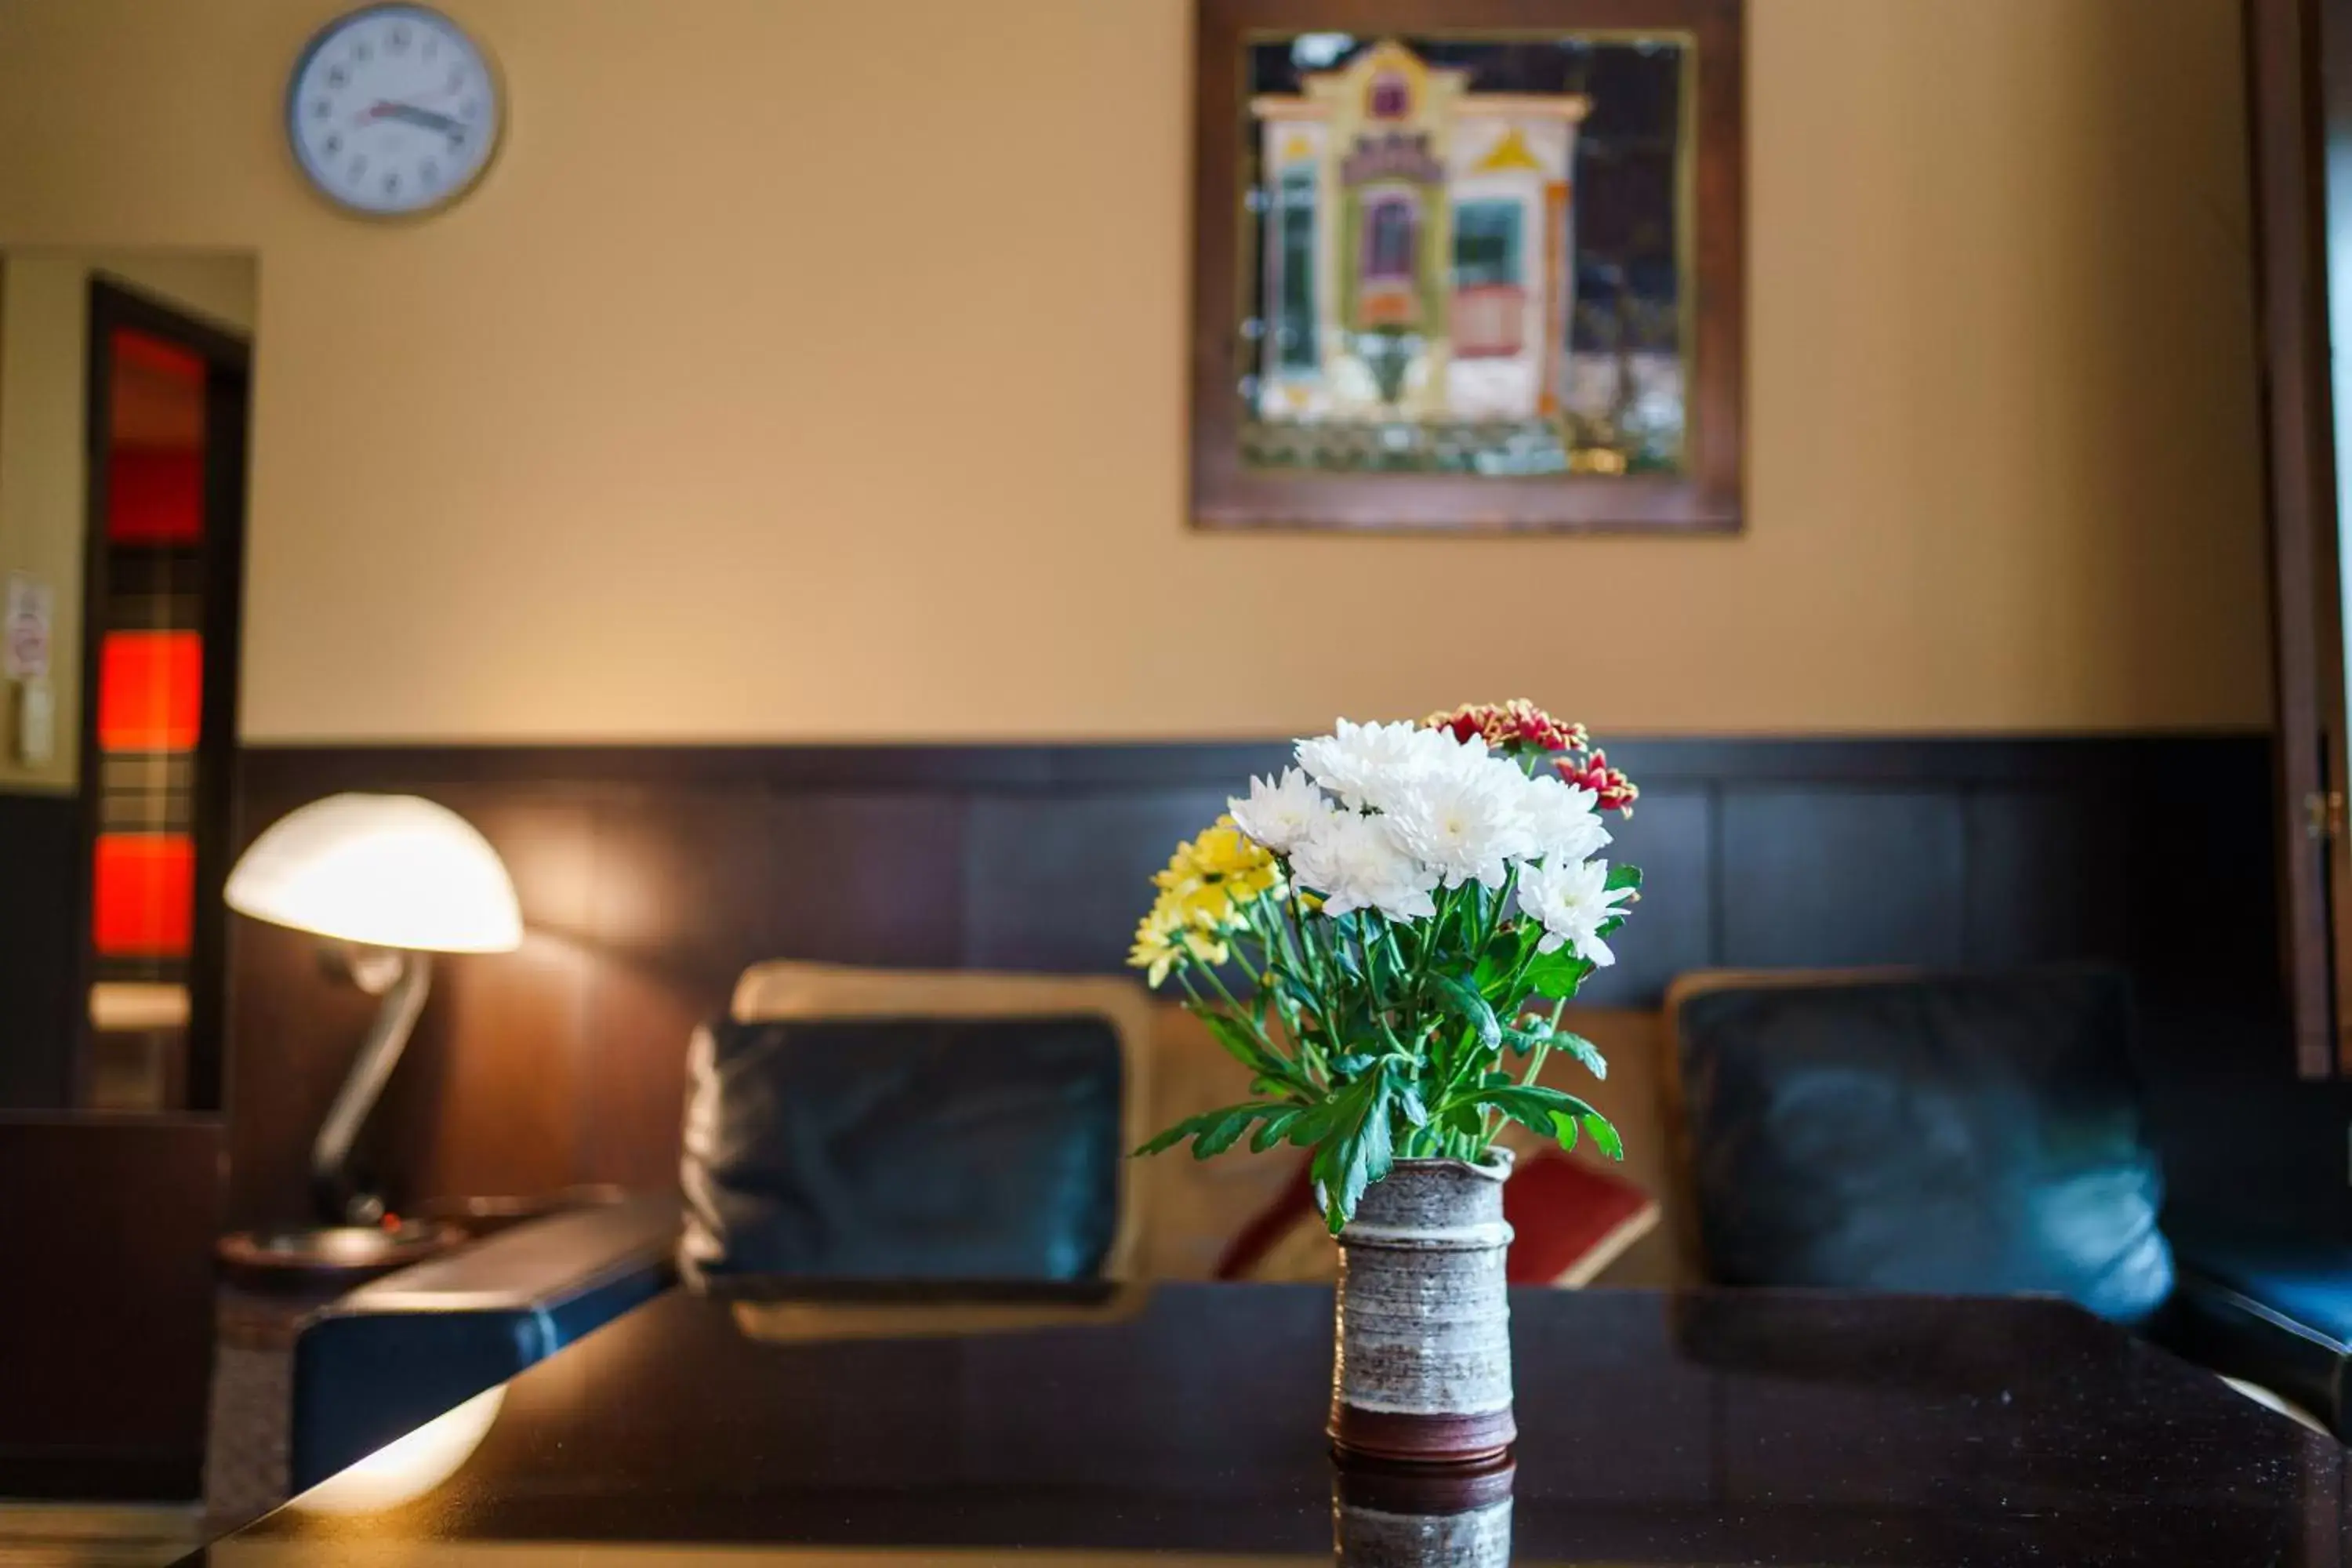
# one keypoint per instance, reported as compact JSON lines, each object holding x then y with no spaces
{"x":1961,"y":1133}
{"x":1976,"y":1133}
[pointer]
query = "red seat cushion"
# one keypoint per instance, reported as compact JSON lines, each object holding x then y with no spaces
{"x":1570,"y":1220}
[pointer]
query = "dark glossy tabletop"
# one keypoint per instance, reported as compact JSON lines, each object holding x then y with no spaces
{"x":1186,"y":1423}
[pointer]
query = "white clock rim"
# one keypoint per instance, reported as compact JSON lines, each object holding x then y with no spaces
{"x":325,"y":35}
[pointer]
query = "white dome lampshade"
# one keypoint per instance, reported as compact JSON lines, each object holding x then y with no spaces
{"x":384,"y":870}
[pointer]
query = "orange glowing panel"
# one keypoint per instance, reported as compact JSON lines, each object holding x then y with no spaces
{"x":150,"y":691}
{"x":145,"y":895}
{"x":155,"y":496}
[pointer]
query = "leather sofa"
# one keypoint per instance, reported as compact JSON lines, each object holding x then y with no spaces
{"x":396,"y":1353}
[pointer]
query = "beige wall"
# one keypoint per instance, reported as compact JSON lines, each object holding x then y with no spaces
{"x":818,"y":371}
{"x":43,"y":329}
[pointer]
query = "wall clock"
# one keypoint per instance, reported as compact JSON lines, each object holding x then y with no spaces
{"x":393,"y":111}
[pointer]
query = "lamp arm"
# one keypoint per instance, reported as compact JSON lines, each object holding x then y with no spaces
{"x":331,"y":1156}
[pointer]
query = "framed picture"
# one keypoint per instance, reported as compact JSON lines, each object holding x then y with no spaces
{"x":1467,"y":265}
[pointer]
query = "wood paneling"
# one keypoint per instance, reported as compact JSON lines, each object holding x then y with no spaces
{"x":106,"y":1325}
{"x":1672,"y":838}
{"x":649,"y":876}
{"x":1842,"y":878}
{"x":40,"y":904}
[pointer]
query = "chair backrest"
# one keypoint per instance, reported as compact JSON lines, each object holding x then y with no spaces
{"x":1967,"y":1134}
{"x":888,"y":1127}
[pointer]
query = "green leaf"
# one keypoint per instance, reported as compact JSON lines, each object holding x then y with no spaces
{"x":1623,"y":877}
{"x":1548,"y":1111}
{"x":1357,"y":1152}
{"x":1343,"y":946}
{"x":1271,"y":1130}
{"x":1165,"y":1140}
{"x":1501,"y":957}
{"x":1246,"y":1048}
{"x":1225,"y":1133}
{"x":1354,"y":1065}
{"x":1472,"y":1008}
{"x":1408,"y":1100}
{"x":1212,"y":1132}
{"x":1603,"y":1134}
{"x":1583,"y":1050}
{"x":1313,"y":1123}
{"x":1557,"y":974}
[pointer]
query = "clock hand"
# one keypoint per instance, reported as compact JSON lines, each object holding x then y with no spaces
{"x":416,"y":115}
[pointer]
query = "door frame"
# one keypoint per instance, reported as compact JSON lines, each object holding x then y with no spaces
{"x":115,"y":303}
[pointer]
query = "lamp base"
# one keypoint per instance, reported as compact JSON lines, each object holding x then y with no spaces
{"x":312,"y":1258}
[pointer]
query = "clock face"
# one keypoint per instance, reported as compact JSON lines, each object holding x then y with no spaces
{"x":392,"y":111}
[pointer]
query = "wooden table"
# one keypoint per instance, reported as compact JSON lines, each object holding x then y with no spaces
{"x":1186,"y":1421}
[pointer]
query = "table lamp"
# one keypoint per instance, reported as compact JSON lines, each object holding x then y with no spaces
{"x":388,"y":881}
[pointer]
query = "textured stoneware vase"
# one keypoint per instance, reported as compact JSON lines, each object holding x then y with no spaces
{"x":1456,"y":1516}
{"x":1421,"y":1369}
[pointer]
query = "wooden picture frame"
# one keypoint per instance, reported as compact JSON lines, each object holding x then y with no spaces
{"x":1697,"y":491}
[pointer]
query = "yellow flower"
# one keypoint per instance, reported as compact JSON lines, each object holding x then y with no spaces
{"x":1175,"y":927}
{"x":1155,"y":950}
{"x":1202,"y":891}
{"x":1222,"y":856}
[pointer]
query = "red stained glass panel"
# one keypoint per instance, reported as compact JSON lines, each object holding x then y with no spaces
{"x":155,"y":496}
{"x":137,"y":350}
{"x":145,"y":895}
{"x":150,"y":691}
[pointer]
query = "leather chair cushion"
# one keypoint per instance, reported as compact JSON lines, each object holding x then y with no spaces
{"x":922,"y":1147}
{"x":1963,"y":1135}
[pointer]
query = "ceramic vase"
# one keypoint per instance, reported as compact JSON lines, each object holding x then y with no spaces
{"x":1422,"y":1517}
{"x":1421,"y":1369}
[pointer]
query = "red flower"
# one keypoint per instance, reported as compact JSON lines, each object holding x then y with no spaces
{"x":1517,"y":724}
{"x":1590,"y":770}
{"x":1462,"y":723}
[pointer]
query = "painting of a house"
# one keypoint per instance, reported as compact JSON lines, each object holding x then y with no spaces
{"x":1425,"y":297}
{"x":1422,"y":264}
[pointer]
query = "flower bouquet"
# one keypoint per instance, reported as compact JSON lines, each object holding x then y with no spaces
{"x":1386,"y":936}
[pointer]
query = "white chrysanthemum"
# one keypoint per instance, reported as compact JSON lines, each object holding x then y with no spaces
{"x":1281,"y":813}
{"x":1356,"y":864}
{"x":1367,"y":765}
{"x":1563,"y":819}
{"x":1466,"y":818}
{"x":1572,"y":901}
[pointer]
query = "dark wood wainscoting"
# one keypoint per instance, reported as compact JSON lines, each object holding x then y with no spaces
{"x":106,"y":1330}
{"x":651,"y":875}
{"x":40,"y":951}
